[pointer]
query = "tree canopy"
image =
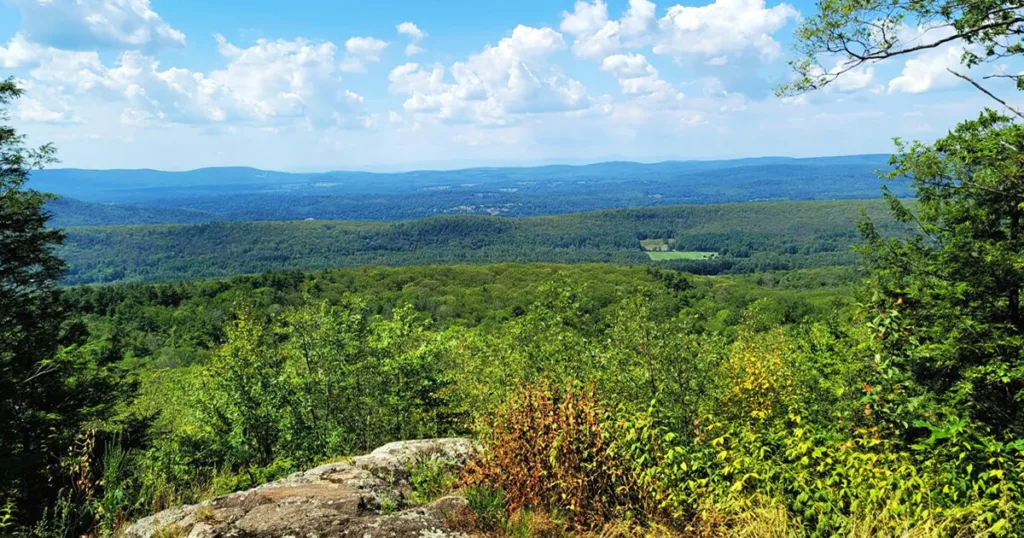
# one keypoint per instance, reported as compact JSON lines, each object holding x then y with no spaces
{"x":847,"y":34}
{"x":46,"y":395}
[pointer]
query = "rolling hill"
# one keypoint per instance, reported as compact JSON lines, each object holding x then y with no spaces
{"x":117,"y":197}
{"x":747,"y":237}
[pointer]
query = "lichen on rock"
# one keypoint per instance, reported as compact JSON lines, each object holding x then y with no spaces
{"x":337,"y":500}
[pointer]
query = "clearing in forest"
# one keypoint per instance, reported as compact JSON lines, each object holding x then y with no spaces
{"x":682,"y":255}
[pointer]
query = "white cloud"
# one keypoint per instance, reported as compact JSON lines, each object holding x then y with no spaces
{"x":493,"y":86}
{"x":89,"y":24}
{"x":848,"y":81}
{"x":596,"y":35}
{"x":360,"y":51}
{"x":639,"y":18}
{"x":268,"y":84}
{"x":723,"y":28}
{"x":636,"y":76}
{"x":415,"y":37}
{"x":19,"y":52}
{"x":713,"y":31}
{"x":31,"y":109}
{"x":928,"y":70}
{"x":855,"y":79}
{"x":77,"y":70}
{"x":410,"y":78}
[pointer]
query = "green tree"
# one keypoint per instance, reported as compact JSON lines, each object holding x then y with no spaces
{"x":47,"y":391}
{"x":956,"y":281}
{"x":247,"y":398}
{"x":847,"y":34}
{"x":946,"y":299}
{"x":328,"y":347}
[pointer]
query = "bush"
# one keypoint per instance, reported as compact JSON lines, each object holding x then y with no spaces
{"x":431,"y":479}
{"x":550,"y":450}
{"x":487,"y":505}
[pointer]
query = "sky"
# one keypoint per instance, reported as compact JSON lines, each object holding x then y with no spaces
{"x":312,"y":85}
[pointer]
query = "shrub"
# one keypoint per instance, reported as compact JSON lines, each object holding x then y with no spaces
{"x":487,"y":505}
{"x":551,"y":450}
{"x":431,"y":479}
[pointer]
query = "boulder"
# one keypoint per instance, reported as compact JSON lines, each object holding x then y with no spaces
{"x":366,"y":497}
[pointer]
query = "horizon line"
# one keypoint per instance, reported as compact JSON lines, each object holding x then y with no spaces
{"x":401,"y":170}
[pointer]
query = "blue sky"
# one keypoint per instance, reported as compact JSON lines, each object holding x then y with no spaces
{"x":391,"y":85}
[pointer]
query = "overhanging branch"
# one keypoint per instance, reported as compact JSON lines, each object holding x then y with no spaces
{"x":986,"y":92}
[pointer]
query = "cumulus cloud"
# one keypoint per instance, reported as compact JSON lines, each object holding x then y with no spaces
{"x":723,"y":28}
{"x":274,"y":82}
{"x":713,"y":31}
{"x":31,"y":109}
{"x":928,"y":70}
{"x":415,"y":37}
{"x":492,"y":87}
{"x":596,"y":36}
{"x":636,"y":76}
{"x":78,"y":70}
{"x":360,"y":51}
{"x":19,"y":52}
{"x":848,"y":80}
{"x":90,"y":24}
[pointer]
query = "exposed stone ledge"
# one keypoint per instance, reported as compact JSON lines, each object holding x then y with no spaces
{"x":343,"y":500}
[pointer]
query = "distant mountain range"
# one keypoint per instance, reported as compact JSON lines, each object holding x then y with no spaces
{"x":110,"y":197}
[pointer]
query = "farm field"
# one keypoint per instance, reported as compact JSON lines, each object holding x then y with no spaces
{"x":681,"y":255}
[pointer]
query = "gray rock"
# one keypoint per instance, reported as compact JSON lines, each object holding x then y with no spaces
{"x":338,"y":500}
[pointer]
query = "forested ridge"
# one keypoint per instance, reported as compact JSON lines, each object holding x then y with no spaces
{"x":851,"y":368}
{"x":747,"y":237}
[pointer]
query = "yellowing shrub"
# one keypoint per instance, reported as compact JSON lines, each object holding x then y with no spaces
{"x":549,"y":449}
{"x":761,"y":384}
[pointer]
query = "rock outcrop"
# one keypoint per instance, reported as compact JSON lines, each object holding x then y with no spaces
{"x":367,"y":497}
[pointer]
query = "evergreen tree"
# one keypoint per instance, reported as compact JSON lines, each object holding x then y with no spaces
{"x":46,"y":395}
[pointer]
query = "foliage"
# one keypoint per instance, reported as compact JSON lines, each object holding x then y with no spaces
{"x":320,"y":380}
{"x":546,"y":449}
{"x":49,"y":386}
{"x":487,"y":505}
{"x":431,"y":479}
{"x":954,"y":286}
{"x":853,"y":33}
{"x":116,"y":502}
{"x":756,"y":236}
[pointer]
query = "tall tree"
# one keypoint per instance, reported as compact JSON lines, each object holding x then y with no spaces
{"x":45,"y":395}
{"x":952,"y":290}
{"x":956,"y":282}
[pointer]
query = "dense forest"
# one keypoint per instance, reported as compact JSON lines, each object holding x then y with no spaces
{"x":861,"y":373}
{"x":747,"y":237}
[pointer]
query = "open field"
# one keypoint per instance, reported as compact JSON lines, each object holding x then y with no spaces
{"x":656,"y":244}
{"x":688,"y":255}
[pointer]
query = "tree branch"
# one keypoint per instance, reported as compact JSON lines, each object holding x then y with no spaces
{"x":986,"y":92}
